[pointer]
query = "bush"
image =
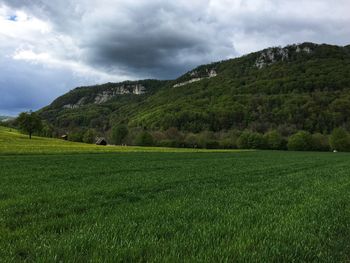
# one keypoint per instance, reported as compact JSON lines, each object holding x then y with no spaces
{"x":340,"y":140}
{"x":89,"y":136}
{"x":320,"y":142}
{"x":191,"y":141}
{"x":251,"y":140}
{"x":204,"y":138}
{"x":76,"y":136}
{"x":119,"y":133}
{"x":132,"y":135}
{"x":158,"y":136}
{"x":47,"y":130}
{"x":274,"y":140}
{"x":300,"y":141}
{"x":173,"y":134}
{"x":144,"y":139}
{"x":228,"y":140}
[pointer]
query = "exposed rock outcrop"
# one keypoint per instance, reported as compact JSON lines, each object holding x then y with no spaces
{"x":210,"y":73}
{"x":106,"y":95}
{"x":276,"y":54}
{"x":76,"y":105}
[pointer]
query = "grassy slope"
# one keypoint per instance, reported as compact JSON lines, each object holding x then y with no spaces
{"x":13,"y":142}
{"x":205,"y":207}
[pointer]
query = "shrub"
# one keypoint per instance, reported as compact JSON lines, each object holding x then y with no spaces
{"x":47,"y":130}
{"x":274,"y":140}
{"x":144,"y":139}
{"x":76,"y":136}
{"x":251,"y":140}
{"x":173,"y":134}
{"x":320,"y":142}
{"x":119,"y":133}
{"x":205,"y":137}
{"x":340,"y":140}
{"x":300,"y":141}
{"x":228,"y":140}
{"x":158,"y":136}
{"x":191,"y":141}
{"x":132,"y":135}
{"x":89,"y":136}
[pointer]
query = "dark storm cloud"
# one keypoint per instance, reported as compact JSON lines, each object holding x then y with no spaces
{"x":148,"y":39}
{"x":159,"y":54}
{"x":165,"y":38}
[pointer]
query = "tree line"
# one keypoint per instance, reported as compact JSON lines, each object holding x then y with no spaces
{"x":338,"y":140}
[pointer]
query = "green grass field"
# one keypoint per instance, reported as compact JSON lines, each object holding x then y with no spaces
{"x":74,"y":205}
{"x":13,"y":142}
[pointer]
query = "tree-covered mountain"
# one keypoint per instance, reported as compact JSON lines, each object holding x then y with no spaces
{"x":298,"y":87}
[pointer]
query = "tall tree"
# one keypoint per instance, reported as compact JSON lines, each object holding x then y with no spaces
{"x":29,"y":122}
{"x":119,"y":133}
{"x":340,"y":140}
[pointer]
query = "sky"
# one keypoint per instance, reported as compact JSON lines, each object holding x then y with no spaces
{"x":48,"y":47}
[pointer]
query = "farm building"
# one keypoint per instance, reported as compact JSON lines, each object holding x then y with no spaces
{"x":101,"y":141}
{"x":64,"y":137}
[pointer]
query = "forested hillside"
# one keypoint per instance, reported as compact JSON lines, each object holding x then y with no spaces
{"x":299,"y":87}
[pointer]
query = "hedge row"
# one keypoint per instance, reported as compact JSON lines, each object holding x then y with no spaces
{"x":338,"y":140}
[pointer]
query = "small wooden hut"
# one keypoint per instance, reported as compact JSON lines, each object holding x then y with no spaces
{"x":64,"y":137}
{"x":101,"y":141}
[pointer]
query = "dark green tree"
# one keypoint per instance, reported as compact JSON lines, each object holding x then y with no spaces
{"x":300,"y":141}
{"x":340,"y":140}
{"x":320,"y":142}
{"x":29,"y":122}
{"x":191,"y":141}
{"x":274,"y":140}
{"x":47,"y":130}
{"x":76,"y":136}
{"x":251,"y":140}
{"x":119,"y":133}
{"x":144,"y":139}
{"x":89,"y":136}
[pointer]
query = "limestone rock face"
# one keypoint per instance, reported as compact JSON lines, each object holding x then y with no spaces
{"x":187,"y":82}
{"x":209,"y":73}
{"x":106,"y":95}
{"x":276,"y":54}
{"x":139,"y":89}
{"x":212,"y":73}
{"x":76,"y":105}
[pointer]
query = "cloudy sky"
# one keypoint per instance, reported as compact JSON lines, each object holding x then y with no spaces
{"x":48,"y":47}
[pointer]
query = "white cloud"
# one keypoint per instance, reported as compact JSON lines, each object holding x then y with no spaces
{"x":31,"y":56}
{"x":24,"y":27}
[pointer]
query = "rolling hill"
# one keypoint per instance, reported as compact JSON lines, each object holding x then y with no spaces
{"x":298,"y":87}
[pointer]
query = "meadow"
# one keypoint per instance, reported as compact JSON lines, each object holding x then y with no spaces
{"x":13,"y":142}
{"x":66,"y":202}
